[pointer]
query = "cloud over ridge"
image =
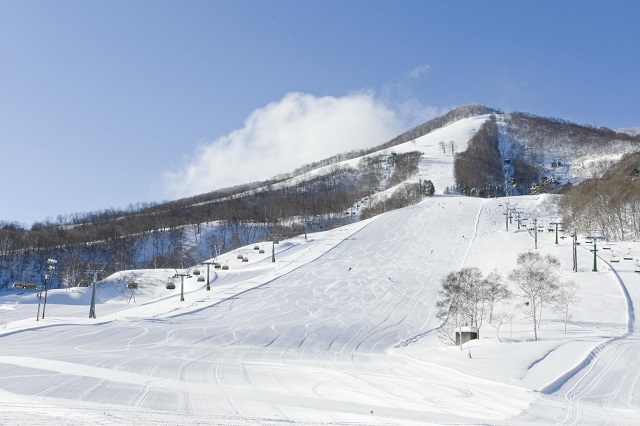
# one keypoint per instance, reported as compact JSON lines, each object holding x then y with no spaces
{"x":298,"y":129}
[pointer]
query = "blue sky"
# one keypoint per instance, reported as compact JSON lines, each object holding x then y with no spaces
{"x":108,"y":103}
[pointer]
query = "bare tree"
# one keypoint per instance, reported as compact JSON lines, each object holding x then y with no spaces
{"x":496,"y":291}
{"x":565,"y":298}
{"x":462,"y":300}
{"x":499,"y":320}
{"x":443,"y":146}
{"x":535,"y":276}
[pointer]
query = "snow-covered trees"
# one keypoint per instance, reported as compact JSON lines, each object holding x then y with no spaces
{"x":536,"y":278}
{"x":478,"y":170}
{"x":610,"y":203}
{"x":467,"y":297}
{"x":429,"y":189}
{"x":565,"y":298}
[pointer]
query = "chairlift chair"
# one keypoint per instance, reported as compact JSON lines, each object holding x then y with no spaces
{"x":245,"y":259}
{"x":225,"y":266}
{"x":614,"y":259}
{"x":132,"y":285}
{"x":171,"y":286}
{"x":256,"y":247}
{"x":196,"y":272}
{"x":217,"y":265}
{"x":201,"y":279}
{"x":239,"y":256}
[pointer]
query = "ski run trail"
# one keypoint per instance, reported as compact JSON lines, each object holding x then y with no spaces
{"x":341,"y":329}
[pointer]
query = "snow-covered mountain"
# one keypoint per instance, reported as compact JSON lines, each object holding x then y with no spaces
{"x":336,"y":327}
{"x":631,"y":131}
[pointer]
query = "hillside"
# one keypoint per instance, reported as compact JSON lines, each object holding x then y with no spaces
{"x":522,"y":154}
{"x":336,"y":326}
{"x":340,"y":329}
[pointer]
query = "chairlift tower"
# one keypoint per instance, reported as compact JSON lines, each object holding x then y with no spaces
{"x":94,"y":272}
{"x":208,"y":263}
{"x":556,"y":223}
{"x":595,"y":235}
{"x":535,"y":233}
{"x":518,"y":213}
{"x":506,"y":185}
{"x":51,"y":265}
{"x":273,"y":238}
{"x":507,"y":213}
{"x":181,"y":275}
{"x":574,"y":239}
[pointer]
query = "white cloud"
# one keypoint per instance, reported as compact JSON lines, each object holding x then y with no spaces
{"x":419,"y":71}
{"x":296,"y":130}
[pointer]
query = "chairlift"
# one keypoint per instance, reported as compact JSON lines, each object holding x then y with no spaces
{"x":25,"y":285}
{"x":588,"y":241}
{"x":225,"y":266}
{"x":627,"y":256}
{"x":132,"y":285}
{"x":170,"y":286}
{"x":239,"y":256}
{"x":606,"y":247}
{"x":614,"y":259}
{"x":217,"y":265}
{"x":196,"y":272}
{"x":245,"y":259}
{"x":261,"y":251}
{"x":256,"y":247}
{"x":84,"y":283}
{"x":200,"y":278}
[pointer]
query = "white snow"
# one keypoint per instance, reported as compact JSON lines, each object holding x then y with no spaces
{"x":341,"y":329}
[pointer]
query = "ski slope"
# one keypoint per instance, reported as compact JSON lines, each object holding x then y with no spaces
{"x":339,"y":330}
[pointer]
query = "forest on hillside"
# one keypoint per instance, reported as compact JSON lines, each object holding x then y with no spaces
{"x":610,"y":204}
{"x":155,"y":237}
{"x":324,"y":194}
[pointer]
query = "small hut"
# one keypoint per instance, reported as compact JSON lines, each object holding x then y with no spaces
{"x":465,"y":334}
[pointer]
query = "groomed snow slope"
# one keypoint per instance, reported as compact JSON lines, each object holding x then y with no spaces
{"x":336,"y":331}
{"x":341,"y":329}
